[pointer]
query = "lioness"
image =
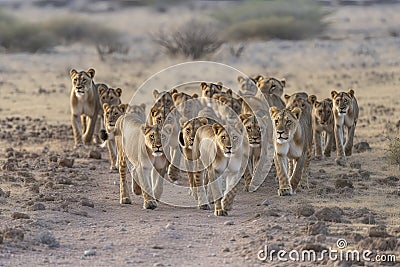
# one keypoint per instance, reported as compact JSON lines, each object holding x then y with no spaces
{"x":272,"y":90}
{"x":84,"y":105}
{"x":142,"y":145}
{"x":111,"y":115}
{"x":322,"y":121}
{"x":207,"y":92}
{"x":220,"y":150}
{"x":345,"y":112}
{"x":109,"y":95}
{"x":290,"y":142}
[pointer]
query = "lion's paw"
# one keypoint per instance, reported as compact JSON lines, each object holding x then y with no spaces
{"x":220,"y":212}
{"x":285,"y":191}
{"x":150,"y":204}
{"x":341,"y":161}
{"x":205,"y":207}
{"x":125,"y":200}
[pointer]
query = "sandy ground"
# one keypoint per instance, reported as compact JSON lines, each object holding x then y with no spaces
{"x":67,"y":212}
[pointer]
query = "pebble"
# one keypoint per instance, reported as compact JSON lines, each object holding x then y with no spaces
{"x":317,"y":228}
{"x":107,"y":246}
{"x":378,"y":231}
{"x":229,"y":223}
{"x":170,"y":226}
{"x":89,"y":252}
{"x":47,"y":238}
{"x":305,"y":210}
{"x":20,"y":215}
{"x":94,"y":154}
{"x":38,"y":206}
{"x":87,"y":203}
{"x":66,"y":162}
{"x":329,"y":214}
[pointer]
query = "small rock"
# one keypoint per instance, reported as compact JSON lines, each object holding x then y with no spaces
{"x":92,"y":168}
{"x":66,"y":162}
{"x":321,"y":171}
{"x":305,"y":210}
{"x":89,"y":252}
{"x":94,"y":154}
{"x":170,"y":226}
{"x":266,"y":202}
{"x":226,"y":250}
{"x":49,"y":185}
{"x":380,"y":244}
{"x":355,"y":165}
{"x":342,"y":264}
{"x":369,"y":219}
{"x":314,"y":246}
{"x":19,"y":215}
{"x":342,"y":183}
{"x":53,"y":158}
{"x":320,"y":238}
{"x":64,"y":180}
{"x":158,"y":264}
{"x":47,"y":238}
{"x":317,"y":228}
{"x":229,"y":223}
{"x":329,"y":215}
{"x":361,"y":147}
{"x":1,"y":239}
{"x":157,"y":247}
{"x":87,"y":203}
{"x":38,"y":206}
{"x":107,"y":246}
{"x":79,"y":212}
{"x":365,"y":175}
{"x":14,"y":234}
{"x":357,"y":237}
{"x":378,"y":231}
{"x":275,"y":246}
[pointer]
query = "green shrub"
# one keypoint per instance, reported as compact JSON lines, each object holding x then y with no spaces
{"x":281,"y":19}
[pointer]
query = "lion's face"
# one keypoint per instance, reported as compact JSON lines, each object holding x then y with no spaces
{"x":342,"y":101}
{"x":322,"y":111}
{"x":108,"y":95}
{"x":271,"y":85}
{"x":139,"y":110}
{"x":112,"y":113}
{"x":81,"y":81}
{"x":189,"y":129}
{"x":247,"y":85}
{"x":209,"y":89}
{"x":162,"y":107}
{"x":285,"y":123}
{"x":232,"y":103}
{"x":228,"y":139}
{"x":186,"y":104}
{"x":253,"y":129}
{"x":155,"y":137}
{"x":299,"y":100}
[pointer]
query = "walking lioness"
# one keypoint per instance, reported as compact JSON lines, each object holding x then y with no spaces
{"x":84,"y":104}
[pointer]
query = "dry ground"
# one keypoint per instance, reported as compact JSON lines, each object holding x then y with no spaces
{"x":67,"y":211}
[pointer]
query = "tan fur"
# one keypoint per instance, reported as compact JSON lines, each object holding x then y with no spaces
{"x":108,"y":95}
{"x":247,"y":86}
{"x":186,"y":139}
{"x":301,"y":101}
{"x":139,"y":110}
{"x":111,"y":115}
{"x":84,"y":105}
{"x":142,"y":146}
{"x":188,"y":106}
{"x":345,"y":112}
{"x":322,"y":121}
{"x":272,"y":90}
{"x":219,"y":151}
{"x":290,"y":143}
{"x":207,"y":92}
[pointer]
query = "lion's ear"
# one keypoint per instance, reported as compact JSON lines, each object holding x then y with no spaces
{"x":101,"y":88}
{"x":105,"y":106}
{"x":244,"y":116}
{"x":334,"y":94}
{"x":296,"y":112}
{"x":168,"y":129}
{"x":312,"y":99}
{"x":203,"y":121}
{"x":219,"y":86}
{"x":123,"y":107}
{"x":175,"y":96}
{"x":286,"y":98}
{"x":217,"y":128}
{"x":258,"y":78}
{"x":173,"y":91}
{"x":203,"y":86}
{"x":118,"y":91}
{"x":351,"y":92}
{"x":195,"y":95}
{"x":240,"y":79}
{"x":273,"y":110}
{"x":91,"y":72}
{"x":283,"y":82}
{"x":156,"y":94}
{"x":72,"y":72}
{"x":182,"y":121}
{"x":181,"y":139}
{"x":229,"y":92}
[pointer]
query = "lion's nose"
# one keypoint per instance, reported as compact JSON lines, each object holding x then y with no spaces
{"x":280,"y":132}
{"x":158,"y":147}
{"x":79,"y":87}
{"x":229,"y":147}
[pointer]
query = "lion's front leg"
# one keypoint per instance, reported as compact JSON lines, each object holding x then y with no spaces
{"x":123,"y":187}
{"x":299,"y":169}
{"x":200,"y":190}
{"x":158,"y":180}
{"x":173,"y":171}
{"x":350,"y":137}
{"x":285,"y":188}
{"x":91,"y":121}
{"x":216,"y":190}
{"x":76,"y":129}
{"x":231,"y":189}
{"x":340,"y":156}
{"x":329,"y":144}
{"x":112,"y":153}
{"x":317,"y":144}
{"x":144,"y":177}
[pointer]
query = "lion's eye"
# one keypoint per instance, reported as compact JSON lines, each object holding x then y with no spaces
{"x":234,"y":138}
{"x":345,"y":101}
{"x":320,"y":112}
{"x":276,"y":121}
{"x":248,"y":128}
{"x":75,"y":80}
{"x":288,"y":122}
{"x":84,"y":80}
{"x":187,"y":130}
{"x":104,"y":98}
{"x":111,"y":98}
{"x":223,"y":137}
{"x":151,"y":136}
{"x":107,"y":113}
{"x":162,"y":136}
